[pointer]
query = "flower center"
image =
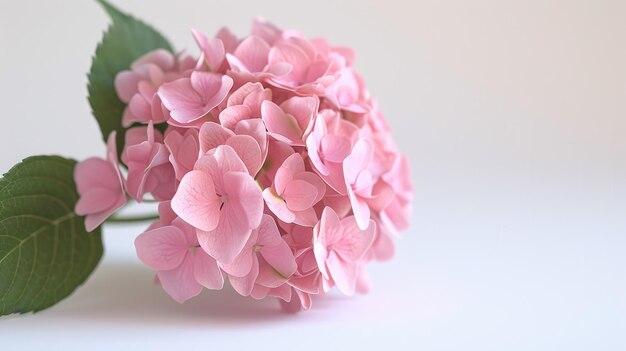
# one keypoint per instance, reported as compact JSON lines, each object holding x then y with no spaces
{"x":224,"y":199}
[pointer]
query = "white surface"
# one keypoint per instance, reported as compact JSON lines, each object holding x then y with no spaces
{"x":513,"y":115}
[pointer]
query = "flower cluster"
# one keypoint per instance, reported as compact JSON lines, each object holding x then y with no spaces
{"x":272,"y":165}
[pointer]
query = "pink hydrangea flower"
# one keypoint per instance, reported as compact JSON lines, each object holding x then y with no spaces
{"x":101,"y":187}
{"x":222,"y":201}
{"x":189,"y":99}
{"x":183,"y":268}
{"x":275,"y":168}
{"x":290,"y":121}
{"x":149,"y":169}
{"x":138,"y":86}
{"x":265,"y":260}
{"x":339,"y":245}
{"x":294,"y":193}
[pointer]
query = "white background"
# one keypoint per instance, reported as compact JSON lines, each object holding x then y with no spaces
{"x":513,"y":115}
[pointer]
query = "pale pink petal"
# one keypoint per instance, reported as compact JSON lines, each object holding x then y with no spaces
{"x":274,"y":249}
{"x":95,"y":172}
{"x":343,"y":273}
{"x":162,"y":248}
{"x":159,"y":57}
{"x":242,"y":264}
{"x":213,"y":135}
{"x":248,"y":151}
{"x":278,"y":206}
{"x":335,"y":148}
{"x":180,"y":283}
{"x":268,"y":276}
{"x":95,"y":200}
{"x":196,"y":202}
{"x":233,"y":114}
{"x":313,"y":148}
{"x":314,"y":180}
{"x":212,"y":49}
{"x":360,"y":208}
{"x":252,"y":54}
{"x":92,"y":221}
{"x":292,"y":166}
{"x":330,"y":228}
{"x":307,"y":218}
{"x":358,"y":160}
{"x":126,"y":85}
{"x":355,"y":242}
{"x":218,"y":162}
{"x":256,"y":129}
{"x":244,"y":195}
{"x":211,"y":87}
{"x":282,"y":126}
{"x":266,"y":30}
{"x":303,"y":109}
{"x":240,"y":213}
{"x":184,"y":104}
{"x":206,"y":271}
{"x":299,"y":195}
{"x":191,"y":98}
{"x":244,"y":285}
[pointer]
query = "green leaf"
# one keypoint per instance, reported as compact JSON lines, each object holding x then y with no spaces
{"x":126,"y":40}
{"x":45,"y":252}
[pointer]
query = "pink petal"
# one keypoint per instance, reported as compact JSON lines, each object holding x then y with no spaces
{"x":162,"y":248}
{"x":290,"y":168}
{"x":244,"y":285}
{"x":180,"y":283}
{"x":265,"y":30}
{"x":233,"y":114}
{"x":355,"y":242}
{"x":244,"y":195}
{"x":312,"y":144}
{"x":242,"y":264}
{"x":95,"y":173}
{"x":307,"y":218}
{"x":213,"y":135}
{"x":212,"y":49}
{"x":299,"y":195}
{"x":282,"y":126}
{"x":92,"y":221}
{"x":196,"y":202}
{"x":206,"y":271}
{"x":248,"y":151}
{"x":159,"y":57}
{"x":274,"y":249}
{"x":218,"y":162}
{"x":191,"y":98}
{"x":278,"y":206}
{"x":96,"y":200}
{"x":180,"y":98}
{"x":268,"y":276}
{"x":126,"y":85}
{"x":256,"y":129}
{"x":239,"y":215}
{"x":335,"y":148}
{"x":303,"y":109}
{"x":211,"y":87}
{"x":343,"y":273}
{"x":358,"y":160}
{"x":252,"y":53}
{"x":360,"y":208}
{"x":315,"y":181}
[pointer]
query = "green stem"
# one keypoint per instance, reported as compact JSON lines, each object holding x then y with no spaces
{"x":132,"y":219}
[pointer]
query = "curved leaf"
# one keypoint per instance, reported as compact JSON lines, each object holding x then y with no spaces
{"x":45,"y":252}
